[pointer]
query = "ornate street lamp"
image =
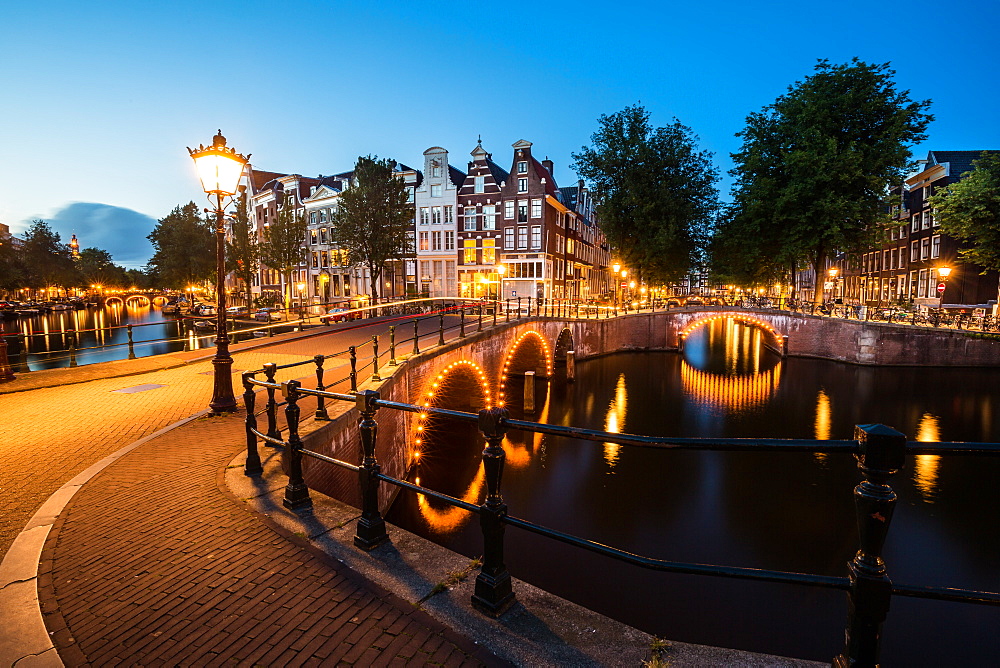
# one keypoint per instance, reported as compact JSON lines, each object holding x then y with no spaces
{"x":220,"y":170}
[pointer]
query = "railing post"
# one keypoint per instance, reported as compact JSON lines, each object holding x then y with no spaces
{"x":392,"y":345}
{"x":461,"y":327}
{"x":881,"y":454}
{"x":441,"y":328}
{"x":375,"y":376}
{"x":479,"y":327}
{"x":296,"y":491}
{"x":320,"y":413}
{"x":270,"y":369}
{"x":496,"y":305}
{"x":493,"y":594}
{"x":72,"y":351}
{"x":416,"y":336}
{"x":22,"y":354}
{"x":506,"y":310}
{"x":353,"y":353}
{"x":371,"y":527}
{"x":252,"y":466}
{"x":131,"y":343}
{"x":6,"y":372}
{"x":518,"y":308}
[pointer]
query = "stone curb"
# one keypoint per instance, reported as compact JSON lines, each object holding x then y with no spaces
{"x":25,"y":641}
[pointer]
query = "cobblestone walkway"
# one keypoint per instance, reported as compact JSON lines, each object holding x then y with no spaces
{"x":151,"y":564}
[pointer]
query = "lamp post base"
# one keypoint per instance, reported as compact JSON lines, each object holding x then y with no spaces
{"x":223,"y":400}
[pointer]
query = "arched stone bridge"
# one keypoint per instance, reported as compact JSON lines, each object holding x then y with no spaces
{"x":482,"y":369}
{"x":140,"y":298}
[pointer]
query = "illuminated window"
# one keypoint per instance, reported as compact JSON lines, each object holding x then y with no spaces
{"x":489,"y":253}
{"x":469,"y":246}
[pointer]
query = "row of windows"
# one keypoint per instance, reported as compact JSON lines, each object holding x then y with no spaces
{"x":336,"y":258}
{"x":488,"y":250}
{"x":923,"y":221}
{"x":928,"y":248}
{"x":435,"y":215}
{"x":522,"y":238}
{"x":433,"y":241}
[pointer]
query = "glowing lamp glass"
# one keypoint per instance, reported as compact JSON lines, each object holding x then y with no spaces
{"x":219,"y":168}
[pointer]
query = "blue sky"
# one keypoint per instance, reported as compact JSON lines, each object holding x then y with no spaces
{"x":101,"y":98}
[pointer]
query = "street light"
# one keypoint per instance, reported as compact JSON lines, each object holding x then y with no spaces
{"x":220,"y":170}
{"x":302,"y":289}
{"x":501,"y":270}
{"x":832,"y":271}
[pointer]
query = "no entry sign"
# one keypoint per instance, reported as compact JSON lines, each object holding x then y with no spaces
{"x":940,"y":287}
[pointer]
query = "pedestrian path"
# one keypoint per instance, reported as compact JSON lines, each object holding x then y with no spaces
{"x":151,"y":563}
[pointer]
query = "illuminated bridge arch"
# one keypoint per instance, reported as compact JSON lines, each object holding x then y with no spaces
{"x":529,"y":352}
{"x":461,"y":385}
{"x":564,"y":343}
{"x":776,"y":339}
{"x":141,"y":300}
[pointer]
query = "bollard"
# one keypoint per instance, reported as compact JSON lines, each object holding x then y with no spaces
{"x":252,"y":465}
{"x":354,"y":368}
{"x":375,"y":377}
{"x":392,"y":345}
{"x":493,"y":593}
{"x":296,"y":491}
{"x":570,"y":366}
{"x":461,"y":327}
{"x":529,"y":391}
{"x":416,"y":337}
{"x":131,"y":344}
{"x":441,"y":328}
{"x":270,"y":369}
{"x":320,"y":413}
{"x":882,"y":453}
{"x":371,"y":527}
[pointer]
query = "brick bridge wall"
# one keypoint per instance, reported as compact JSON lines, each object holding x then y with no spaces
{"x":808,"y":336}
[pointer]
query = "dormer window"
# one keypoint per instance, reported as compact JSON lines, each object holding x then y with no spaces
{"x":522,"y":167}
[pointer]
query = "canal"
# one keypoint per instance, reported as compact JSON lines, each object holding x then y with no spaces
{"x":790,"y":512}
{"x":101,"y":335}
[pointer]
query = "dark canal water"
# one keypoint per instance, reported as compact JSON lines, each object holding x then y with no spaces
{"x":101,"y":335}
{"x":790,"y":512}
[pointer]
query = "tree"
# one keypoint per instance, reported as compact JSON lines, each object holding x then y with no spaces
{"x":184,"y":246}
{"x":242,"y":249}
{"x":95,"y":267}
{"x":970,"y":210}
{"x":48,"y":262}
{"x":815,"y":165}
{"x":373,"y":218}
{"x":282,"y":249}
{"x":655,"y":191}
{"x":12,"y":272}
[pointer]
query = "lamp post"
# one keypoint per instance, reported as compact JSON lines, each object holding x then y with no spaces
{"x":302,"y":288}
{"x":501,"y":270}
{"x":833,"y":271}
{"x":615,"y":268}
{"x":943,"y":273}
{"x":220,"y":170}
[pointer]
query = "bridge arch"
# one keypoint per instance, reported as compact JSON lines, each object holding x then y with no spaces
{"x":777,"y":341}
{"x":461,"y":385}
{"x":529,"y":352}
{"x":564,"y":343}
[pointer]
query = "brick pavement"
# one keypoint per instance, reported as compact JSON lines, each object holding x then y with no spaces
{"x":152,"y":564}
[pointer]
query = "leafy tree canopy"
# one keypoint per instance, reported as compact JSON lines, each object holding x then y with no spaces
{"x":46,"y":260}
{"x":184,"y":246}
{"x":814,"y":167}
{"x":655,"y":191}
{"x":373,"y":218}
{"x":970,"y":210}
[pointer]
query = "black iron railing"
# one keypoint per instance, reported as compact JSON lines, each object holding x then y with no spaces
{"x":879,"y":450}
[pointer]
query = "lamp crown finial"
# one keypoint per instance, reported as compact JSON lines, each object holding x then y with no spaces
{"x":218,"y":140}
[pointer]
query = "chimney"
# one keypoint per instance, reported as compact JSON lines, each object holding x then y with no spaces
{"x":547,"y":164}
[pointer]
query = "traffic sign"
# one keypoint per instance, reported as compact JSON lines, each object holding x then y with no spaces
{"x":940,"y":287}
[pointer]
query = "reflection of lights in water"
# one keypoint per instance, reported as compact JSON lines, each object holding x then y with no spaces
{"x":446,"y":520}
{"x":730,"y":393}
{"x":925,"y":467}
{"x":821,"y":425}
{"x":615,"y":420}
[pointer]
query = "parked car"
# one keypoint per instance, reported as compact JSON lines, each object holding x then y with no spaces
{"x":337,"y":315}
{"x":237,"y":310}
{"x":269,"y":314}
{"x":203,"y":309}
